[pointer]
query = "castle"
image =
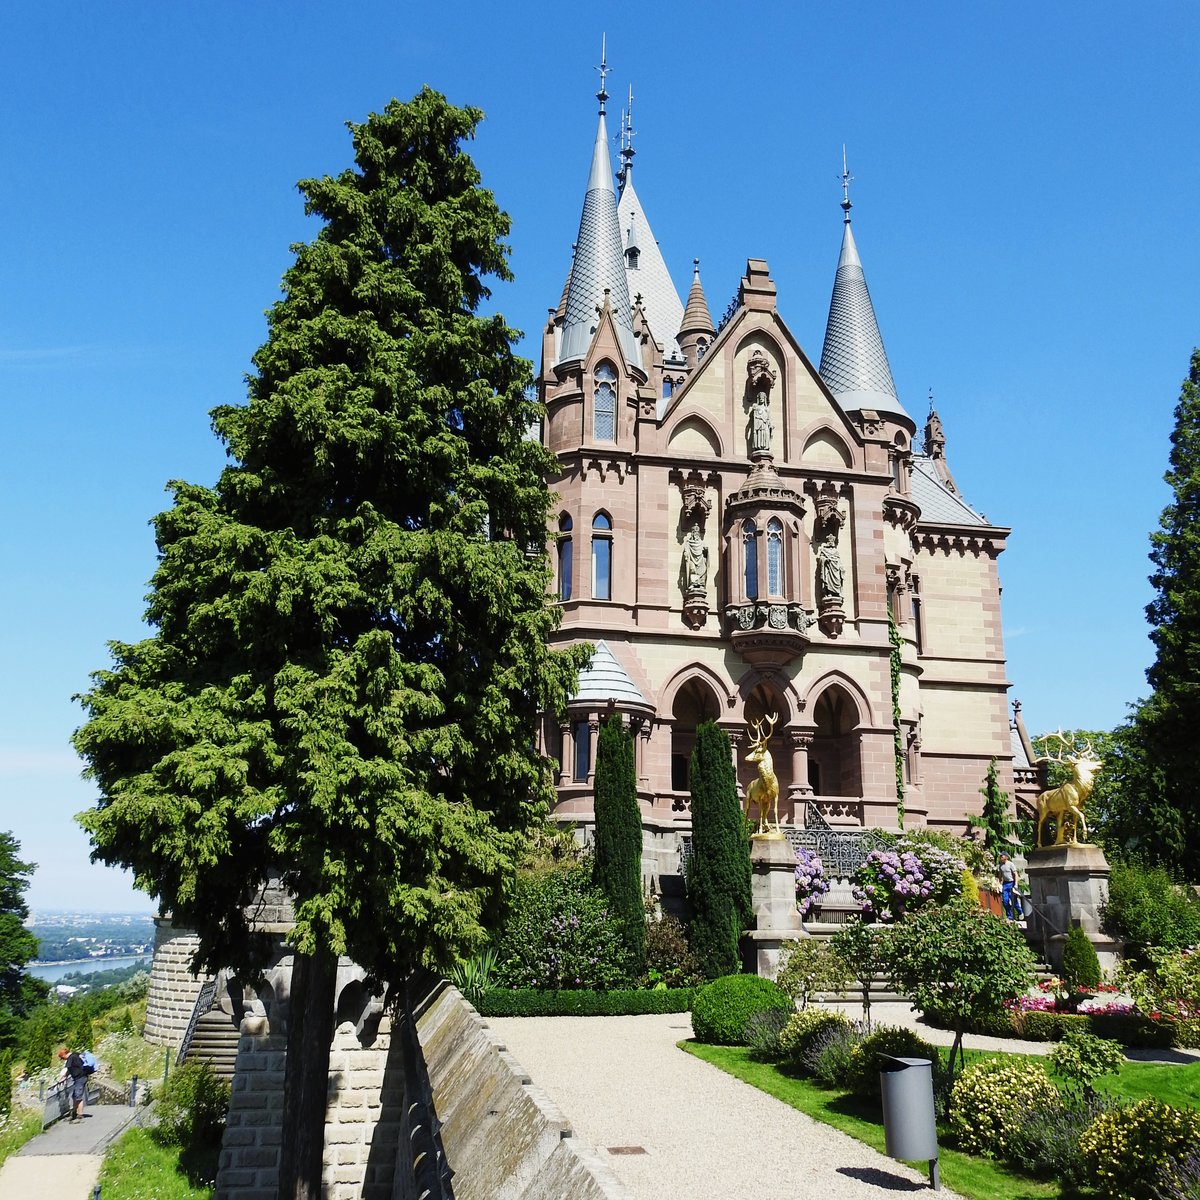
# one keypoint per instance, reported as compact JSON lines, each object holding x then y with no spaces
{"x":750,"y":539}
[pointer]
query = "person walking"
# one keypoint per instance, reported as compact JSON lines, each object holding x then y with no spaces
{"x":75,"y":1074}
{"x":1008,"y":885}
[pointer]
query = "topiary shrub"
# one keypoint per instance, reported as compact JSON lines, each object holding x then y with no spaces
{"x":763,"y":1031}
{"x":1080,"y":963}
{"x":862,"y":1071}
{"x":191,"y":1107}
{"x":721,"y":1009}
{"x":990,"y":1100}
{"x":802,"y":1028}
{"x":1131,"y":1152}
{"x":1048,"y":1026}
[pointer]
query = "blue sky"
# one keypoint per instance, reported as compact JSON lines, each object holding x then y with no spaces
{"x":1026,"y":188}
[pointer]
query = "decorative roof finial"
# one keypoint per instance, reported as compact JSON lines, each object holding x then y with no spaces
{"x":602,"y":94}
{"x":695,"y":268}
{"x":846,"y":180}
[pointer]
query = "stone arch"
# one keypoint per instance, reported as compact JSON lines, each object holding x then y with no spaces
{"x":692,"y":434}
{"x":695,"y":701}
{"x":838,"y":713}
{"x":825,"y":447}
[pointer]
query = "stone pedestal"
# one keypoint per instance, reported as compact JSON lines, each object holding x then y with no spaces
{"x":1068,"y":885}
{"x":773,"y":894}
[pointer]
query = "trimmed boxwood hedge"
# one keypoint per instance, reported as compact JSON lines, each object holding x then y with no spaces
{"x":1130,"y":1029}
{"x":619,"y":1002}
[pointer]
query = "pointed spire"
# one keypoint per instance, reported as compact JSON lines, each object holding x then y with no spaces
{"x":598,"y":269}
{"x":854,"y":363}
{"x":627,"y":150}
{"x":697,"y":324}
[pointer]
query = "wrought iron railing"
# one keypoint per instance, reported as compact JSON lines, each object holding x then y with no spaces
{"x":204,"y":1001}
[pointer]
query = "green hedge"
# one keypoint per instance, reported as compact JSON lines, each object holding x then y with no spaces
{"x":620,"y":1002}
{"x":1130,"y":1029}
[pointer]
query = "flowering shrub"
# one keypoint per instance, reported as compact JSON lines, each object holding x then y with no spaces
{"x":1170,"y":989}
{"x":892,"y":882}
{"x":802,"y":1027}
{"x":990,"y":1099}
{"x":1046,"y":1143}
{"x":559,"y":934}
{"x":862,"y":1066}
{"x":1133,"y":1151}
{"x":811,"y":883}
{"x":669,"y":960}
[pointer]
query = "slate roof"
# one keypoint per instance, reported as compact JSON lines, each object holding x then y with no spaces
{"x":604,"y":679}
{"x":651,"y":279}
{"x":939,"y":505}
{"x":854,"y":363}
{"x":599,"y":263}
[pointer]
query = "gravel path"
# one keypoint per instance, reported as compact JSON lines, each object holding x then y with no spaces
{"x":623,"y":1083}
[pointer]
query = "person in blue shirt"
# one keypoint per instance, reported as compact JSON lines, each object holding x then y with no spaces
{"x":1008,"y":884}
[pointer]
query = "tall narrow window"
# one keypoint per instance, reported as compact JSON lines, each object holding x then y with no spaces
{"x":566,"y":557}
{"x":583,"y":750}
{"x":774,"y":557}
{"x":701,"y":349}
{"x":604,"y":426}
{"x":914,"y":595}
{"x":601,"y":557}
{"x":750,"y":544}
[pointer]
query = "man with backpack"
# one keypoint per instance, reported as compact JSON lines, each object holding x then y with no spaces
{"x":77,"y":1071}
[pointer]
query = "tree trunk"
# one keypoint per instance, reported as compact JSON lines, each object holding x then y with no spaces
{"x":306,"y":1078}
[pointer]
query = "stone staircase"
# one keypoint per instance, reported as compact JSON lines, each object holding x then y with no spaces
{"x":214,"y":1040}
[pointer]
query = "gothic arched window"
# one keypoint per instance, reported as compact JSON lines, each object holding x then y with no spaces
{"x":604,"y":419}
{"x":601,"y":557}
{"x":750,"y":544}
{"x":566,"y":557}
{"x":774,"y":557}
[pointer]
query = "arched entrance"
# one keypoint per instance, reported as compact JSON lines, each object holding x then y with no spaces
{"x":835,"y":761}
{"x":764,"y":702}
{"x":694,"y":704}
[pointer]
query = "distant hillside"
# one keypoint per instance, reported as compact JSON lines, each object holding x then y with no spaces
{"x":75,"y":937}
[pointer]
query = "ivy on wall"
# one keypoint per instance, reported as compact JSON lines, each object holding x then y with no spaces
{"x":897,"y":733}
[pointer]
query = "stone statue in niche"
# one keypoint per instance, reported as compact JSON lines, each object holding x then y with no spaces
{"x":695,"y":560}
{"x":761,"y":377}
{"x":830,"y":572}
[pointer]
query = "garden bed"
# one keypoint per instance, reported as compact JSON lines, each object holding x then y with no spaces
{"x":581,"y":1002}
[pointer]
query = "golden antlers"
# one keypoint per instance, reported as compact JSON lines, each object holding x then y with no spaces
{"x":759,"y":738}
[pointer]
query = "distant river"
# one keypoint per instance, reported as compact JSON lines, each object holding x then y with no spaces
{"x":52,"y":972}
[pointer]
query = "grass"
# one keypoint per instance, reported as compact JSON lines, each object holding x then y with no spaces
{"x":137,"y":1168}
{"x":976,"y":1178}
{"x":18,"y":1127}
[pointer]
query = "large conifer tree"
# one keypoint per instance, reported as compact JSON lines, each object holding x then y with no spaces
{"x":718,"y":869}
{"x":1164,"y":726}
{"x":617,"y":867}
{"x":349,"y":632}
{"x":18,"y":991}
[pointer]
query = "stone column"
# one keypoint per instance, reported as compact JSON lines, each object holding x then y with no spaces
{"x":1069,"y":885}
{"x":735,"y":742}
{"x":801,"y":741}
{"x":773,"y":895}
{"x":593,"y":730}
{"x":567,"y":741}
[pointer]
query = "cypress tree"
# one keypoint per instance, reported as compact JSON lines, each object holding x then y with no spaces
{"x":993,"y":821}
{"x":617,"y":868}
{"x":718,"y":869}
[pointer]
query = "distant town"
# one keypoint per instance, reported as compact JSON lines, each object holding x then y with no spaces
{"x":66,"y":937}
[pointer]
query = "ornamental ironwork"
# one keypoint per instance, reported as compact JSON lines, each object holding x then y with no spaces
{"x":842,"y":851}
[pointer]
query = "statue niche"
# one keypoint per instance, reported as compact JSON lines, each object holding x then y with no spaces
{"x":831,"y":572}
{"x":693,"y":567}
{"x":760,"y":378}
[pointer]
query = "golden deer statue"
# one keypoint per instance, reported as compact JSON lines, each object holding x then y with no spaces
{"x":763,"y":791}
{"x":1065,"y":803}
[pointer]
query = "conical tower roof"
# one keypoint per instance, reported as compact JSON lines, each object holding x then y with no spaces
{"x":854,"y":363}
{"x":599,"y":262}
{"x":650,"y":279}
{"x":696,"y":317}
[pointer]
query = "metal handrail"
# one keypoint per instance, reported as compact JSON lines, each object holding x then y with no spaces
{"x":203,"y":1003}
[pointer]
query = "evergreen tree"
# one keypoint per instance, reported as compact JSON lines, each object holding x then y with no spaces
{"x":994,"y":820}
{"x":39,"y":1041}
{"x":81,"y":1036}
{"x":18,"y":992}
{"x":349,"y":631}
{"x":617,"y":868}
{"x":718,"y":868}
{"x":1164,"y":726}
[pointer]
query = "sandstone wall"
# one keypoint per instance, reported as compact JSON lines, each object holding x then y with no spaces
{"x":173,"y":988}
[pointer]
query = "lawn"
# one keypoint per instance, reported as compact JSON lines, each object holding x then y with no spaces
{"x":138,"y":1168}
{"x":977,"y":1178}
{"x":18,"y":1127}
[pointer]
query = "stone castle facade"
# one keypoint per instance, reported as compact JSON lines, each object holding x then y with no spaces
{"x":747,"y":537}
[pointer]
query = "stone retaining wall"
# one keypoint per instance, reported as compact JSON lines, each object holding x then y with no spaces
{"x":503,"y":1138}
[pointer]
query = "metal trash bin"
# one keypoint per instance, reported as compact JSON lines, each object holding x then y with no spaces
{"x":909,"y":1124}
